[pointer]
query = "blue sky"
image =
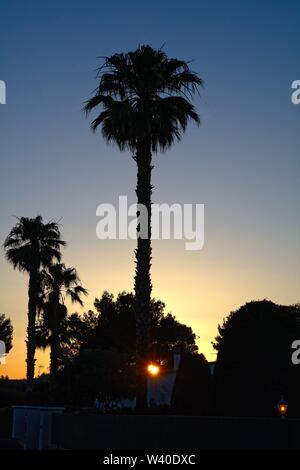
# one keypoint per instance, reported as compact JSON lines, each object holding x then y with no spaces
{"x":243,"y":162}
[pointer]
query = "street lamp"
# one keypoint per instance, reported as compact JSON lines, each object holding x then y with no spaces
{"x":282,"y":407}
{"x":153,"y":369}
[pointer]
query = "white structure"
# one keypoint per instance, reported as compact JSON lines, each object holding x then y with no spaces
{"x":32,"y":425}
{"x":2,"y":352}
{"x":2,"y":92}
{"x":160,"y":387}
{"x":212,"y":367}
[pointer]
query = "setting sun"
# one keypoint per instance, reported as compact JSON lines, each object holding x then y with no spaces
{"x":153,"y":369}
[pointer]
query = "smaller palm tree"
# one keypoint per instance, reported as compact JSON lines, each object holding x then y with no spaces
{"x":6,"y":333}
{"x":30,"y":246}
{"x":58,"y":282}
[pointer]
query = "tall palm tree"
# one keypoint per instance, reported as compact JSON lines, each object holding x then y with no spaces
{"x":31,"y":245}
{"x":58,"y":282}
{"x":145,"y":104}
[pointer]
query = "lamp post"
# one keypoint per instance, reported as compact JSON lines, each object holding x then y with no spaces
{"x":282,"y":407}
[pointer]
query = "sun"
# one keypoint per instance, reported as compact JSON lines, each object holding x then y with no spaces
{"x":153,"y":369}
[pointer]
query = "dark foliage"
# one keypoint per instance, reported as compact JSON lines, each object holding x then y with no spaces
{"x":31,"y":245}
{"x":100,"y":355}
{"x":192,"y":390}
{"x":57,"y":283}
{"x":254,"y":366}
{"x":6,"y":332}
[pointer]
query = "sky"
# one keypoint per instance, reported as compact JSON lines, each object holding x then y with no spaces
{"x":242,"y":163}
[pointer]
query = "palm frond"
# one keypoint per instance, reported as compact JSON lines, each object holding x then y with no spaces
{"x":31,"y":243}
{"x":131,"y":89}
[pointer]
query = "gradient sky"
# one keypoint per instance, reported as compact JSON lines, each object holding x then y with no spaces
{"x":243,"y":162}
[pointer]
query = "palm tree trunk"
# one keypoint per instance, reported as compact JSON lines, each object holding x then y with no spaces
{"x":143,"y":284}
{"x":54,"y":340}
{"x":31,"y":340}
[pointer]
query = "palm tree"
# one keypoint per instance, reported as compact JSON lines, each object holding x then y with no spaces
{"x":6,"y":333}
{"x":58,"y":282}
{"x":30,"y":245}
{"x":144,"y":98}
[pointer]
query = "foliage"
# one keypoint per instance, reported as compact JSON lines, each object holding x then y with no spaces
{"x":57,"y":283}
{"x":31,"y":245}
{"x":253,"y":367}
{"x":192,"y":390}
{"x":99,"y":354}
{"x":6,"y":332}
{"x":144,"y":93}
{"x":116,"y":326}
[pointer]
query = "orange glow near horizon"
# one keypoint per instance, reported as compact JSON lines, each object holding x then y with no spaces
{"x":153,"y":369}
{"x":199,"y":288}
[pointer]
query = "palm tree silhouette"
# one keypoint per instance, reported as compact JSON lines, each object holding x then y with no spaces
{"x":30,"y":245}
{"x":58,"y":282}
{"x":145,"y":101}
{"x":6,"y":333}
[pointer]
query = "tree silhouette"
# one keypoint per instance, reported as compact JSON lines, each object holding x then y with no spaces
{"x":75,"y":331}
{"x":6,"y":332}
{"x":58,"y":282}
{"x":254,"y":367}
{"x":192,"y":389}
{"x":145,"y":102}
{"x":104,"y":341}
{"x":30,"y":245}
{"x":116,"y":328}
